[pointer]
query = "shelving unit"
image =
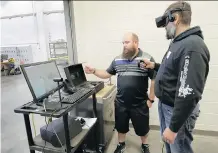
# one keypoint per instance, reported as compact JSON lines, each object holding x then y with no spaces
{"x":58,"y":51}
{"x":21,"y":54}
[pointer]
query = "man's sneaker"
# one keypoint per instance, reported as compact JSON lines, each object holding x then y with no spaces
{"x":121,"y":147}
{"x":145,"y":148}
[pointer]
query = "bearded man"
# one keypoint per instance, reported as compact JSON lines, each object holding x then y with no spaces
{"x":132,"y":100}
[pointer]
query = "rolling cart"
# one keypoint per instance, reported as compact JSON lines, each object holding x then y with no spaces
{"x":71,"y":146}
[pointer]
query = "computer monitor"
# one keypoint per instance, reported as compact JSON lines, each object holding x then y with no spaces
{"x":39,"y":77}
{"x":75,"y":74}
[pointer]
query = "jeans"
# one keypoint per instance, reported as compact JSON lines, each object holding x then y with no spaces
{"x":182,"y":143}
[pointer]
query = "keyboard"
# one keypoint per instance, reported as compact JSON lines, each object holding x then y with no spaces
{"x":77,"y":95}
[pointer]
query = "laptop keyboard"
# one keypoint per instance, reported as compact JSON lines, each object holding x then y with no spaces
{"x":77,"y":95}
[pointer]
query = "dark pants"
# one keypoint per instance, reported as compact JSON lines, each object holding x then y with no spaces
{"x":184,"y":137}
{"x":138,"y":115}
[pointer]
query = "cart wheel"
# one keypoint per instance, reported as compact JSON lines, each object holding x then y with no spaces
{"x":84,"y":148}
{"x":100,"y":149}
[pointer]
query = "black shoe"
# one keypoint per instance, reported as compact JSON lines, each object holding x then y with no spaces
{"x":121,"y":147}
{"x":145,"y":148}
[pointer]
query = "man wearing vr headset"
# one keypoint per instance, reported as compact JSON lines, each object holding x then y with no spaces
{"x":181,"y":77}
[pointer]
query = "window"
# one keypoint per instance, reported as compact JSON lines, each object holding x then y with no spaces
{"x":18,"y":31}
{"x":9,"y":8}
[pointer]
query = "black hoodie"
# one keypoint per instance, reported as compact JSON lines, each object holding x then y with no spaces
{"x":182,"y":75}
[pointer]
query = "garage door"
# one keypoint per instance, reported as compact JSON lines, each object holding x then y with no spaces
{"x":100,"y":27}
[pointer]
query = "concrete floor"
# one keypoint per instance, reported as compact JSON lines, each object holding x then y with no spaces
{"x":201,"y":144}
{"x":15,"y":92}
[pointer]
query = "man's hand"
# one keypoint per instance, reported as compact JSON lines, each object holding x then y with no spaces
{"x":89,"y":70}
{"x":148,"y":64}
{"x":149,"y":104}
{"x":169,"y":136}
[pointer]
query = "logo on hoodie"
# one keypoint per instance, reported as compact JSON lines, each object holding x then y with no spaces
{"x":184,"y":88}
{"x":168,"y":54}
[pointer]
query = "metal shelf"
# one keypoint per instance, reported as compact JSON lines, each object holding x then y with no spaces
{"x":39,"y":143}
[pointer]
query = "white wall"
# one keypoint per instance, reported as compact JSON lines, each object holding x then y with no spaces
{"x":100,"y":27}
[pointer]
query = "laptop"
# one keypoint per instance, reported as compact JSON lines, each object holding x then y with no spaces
{"x":77,"y":78}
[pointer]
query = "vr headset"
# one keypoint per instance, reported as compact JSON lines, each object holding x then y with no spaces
{"x":162,"y":21}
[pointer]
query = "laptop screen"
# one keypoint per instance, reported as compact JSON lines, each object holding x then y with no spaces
{"x":75,"y":74}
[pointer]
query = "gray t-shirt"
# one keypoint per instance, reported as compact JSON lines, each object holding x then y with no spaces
{"x":132,"y":81}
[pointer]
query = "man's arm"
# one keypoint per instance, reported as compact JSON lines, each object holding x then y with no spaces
{"x":151,"y":65}
{"x":151,"y":93}
{"x":152,"y":75}
{"x":156,"y":66}
{"x":190,"y":86}
{"x":103,"y":74}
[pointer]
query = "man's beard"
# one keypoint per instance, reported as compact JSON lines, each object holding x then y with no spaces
{"x":128,"y":53}
{"x":170,"y":31}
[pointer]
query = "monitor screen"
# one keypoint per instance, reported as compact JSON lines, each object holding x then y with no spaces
{"x":76,"y":74}
{"x":39,"y":77}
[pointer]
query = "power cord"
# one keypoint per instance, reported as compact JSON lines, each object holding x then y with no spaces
{"x":33,"y":122}
{"x":46,"y":134}
{"x":58,"y":138}
{"x":50,"y":119}
{"x":162,"y":146}
{"x":43,"y":150}
{"x":87,"y":125}
{"x":107,"y":81}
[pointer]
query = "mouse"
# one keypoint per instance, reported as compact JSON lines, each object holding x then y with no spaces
{"x":82,"y":121}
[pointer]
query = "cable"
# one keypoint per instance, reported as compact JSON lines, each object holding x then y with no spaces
{"x":109,"y":80}
{"x":46,"y":134}
{"x":58,"y":138}
{"x":43,"y":150}
{"x":87,"y":125}
{"x":47,"y":126}
{"x":163,"y":148}
{"x":33,"y":122}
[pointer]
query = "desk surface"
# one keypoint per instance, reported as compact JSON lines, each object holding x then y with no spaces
{"x":105,"y":91}
{"x":26,"y":108}
{"x":65,"y":107}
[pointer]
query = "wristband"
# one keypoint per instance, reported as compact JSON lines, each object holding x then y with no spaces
{"x":93,"y":72}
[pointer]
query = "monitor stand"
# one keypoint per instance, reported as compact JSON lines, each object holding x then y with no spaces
{"x":52,"y":106}
{"x":39,"y":104}
{"x":49,"y":105}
